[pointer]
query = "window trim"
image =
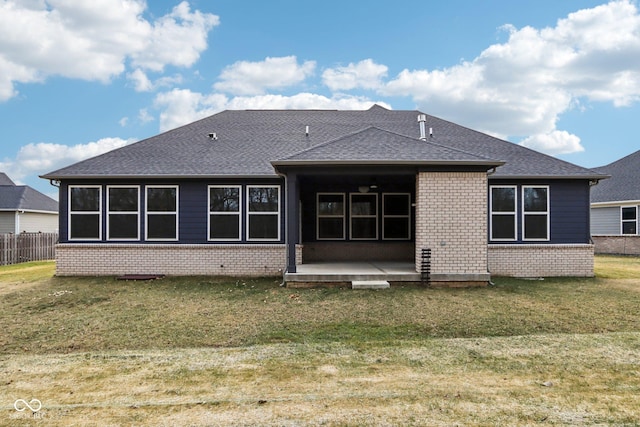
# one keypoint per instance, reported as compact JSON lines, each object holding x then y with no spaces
{"x":147,"y":213}
{"x":407,"y":216}
{"x":71,"y":212}
{"x":238,"y":213}
{"x":343,"y":216}
{"x":547,"y":213}
{"x":352,"y":217}
{"x":278,"y":214}
{"x":622,"y":220}
{"x":514,"y":213}
{"x":109,"y":213}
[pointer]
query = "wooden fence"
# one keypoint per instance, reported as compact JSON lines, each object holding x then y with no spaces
{"x":24,"y":247}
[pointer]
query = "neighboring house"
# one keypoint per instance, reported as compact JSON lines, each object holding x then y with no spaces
{"x":25,"y":210}
{"x":270,"y":192}
{"x":614,"y":207}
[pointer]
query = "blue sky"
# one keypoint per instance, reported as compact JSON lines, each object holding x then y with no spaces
{"x":79,"y":78}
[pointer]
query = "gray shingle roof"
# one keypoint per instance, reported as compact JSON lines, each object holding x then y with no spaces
{"x":5,"y":180}
{"x":374,"y":145}
{"x":21,"y":197}
{"x":249,"y":140}
{"x":624,"y":183}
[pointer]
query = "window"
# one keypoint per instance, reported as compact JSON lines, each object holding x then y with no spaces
{"x":224,"y":212}
{"x":331,"y":213}
{"x":396,"y":216}
{"x":630,"y":220}
{"x":263,"y":213}
{"x":85,"y":213}
{"x":535,"y":213}
{"x":162,"y":212}
{"x":503,"y":213}
{"x":364,"y":216}
{"x":123,"y":206}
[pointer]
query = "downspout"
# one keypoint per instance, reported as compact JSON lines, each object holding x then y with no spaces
{"x":489,"y":173}
{"x":592,"y":183}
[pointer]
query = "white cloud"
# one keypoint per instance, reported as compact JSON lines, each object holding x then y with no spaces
{"x":176,"y":39}
{"x":365,"y":74}
{"x":522,"y":87}
{"x":144,"y":116}
{"x":182,"y":106}
{"x":142,"y":83}
{"x":123,"y":121}
{"x":93,"y":40}
{"x":42,"y":157}
{"x":556,"y":142}
{"x":255,"y":78}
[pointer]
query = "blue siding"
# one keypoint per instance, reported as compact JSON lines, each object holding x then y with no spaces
{"x":569,"y":208}
{"x":192,"y":214}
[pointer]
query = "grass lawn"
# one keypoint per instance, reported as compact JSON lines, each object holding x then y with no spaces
{"x":216,"y":351}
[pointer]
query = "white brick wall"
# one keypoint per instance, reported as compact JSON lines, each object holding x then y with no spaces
{"x":541,"y":260}
{"x":451,"y":219}
{"x":177,"y":260}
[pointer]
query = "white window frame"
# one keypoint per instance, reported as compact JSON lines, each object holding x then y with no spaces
{"x":407,"y":216}
{"x":238,"y":213}
{"x":98,"y":212}
{"x":147,"y":213}
{"x":622,"y":221}
{"x":514,"y":213}
{"x":277,"y":213}
{"x":343,"y":216}
{"x":547,"y":213}
{"x":352,"y":217}
{"x":136,"y":213}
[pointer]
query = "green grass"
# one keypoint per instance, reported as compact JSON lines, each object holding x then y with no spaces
{"x":219,"y":351}
{"x":100,"y":313}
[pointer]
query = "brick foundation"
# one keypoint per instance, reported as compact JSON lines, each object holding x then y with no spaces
{"x":541,"y":260}
{"x":617,"y":245}
{"x":176,"y":260}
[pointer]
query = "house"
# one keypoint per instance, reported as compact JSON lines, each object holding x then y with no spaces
{"x":614,"y":207}
{"x":25,"y":210}
{"x":265,"y":192}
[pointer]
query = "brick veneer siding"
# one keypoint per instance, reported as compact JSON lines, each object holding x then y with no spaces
{"x":541,"y":260}
{"x":617,"y":245}
{"x":451,"y":219}
{"x":177,"y":260}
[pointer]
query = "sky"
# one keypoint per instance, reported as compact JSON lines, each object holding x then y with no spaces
{"x":79,"y":78}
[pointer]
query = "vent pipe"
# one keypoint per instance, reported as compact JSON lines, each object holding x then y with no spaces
{"x":422,"y":119}
{"x":306,"y":130}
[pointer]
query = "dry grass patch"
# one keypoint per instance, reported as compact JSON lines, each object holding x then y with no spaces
{"x":216,"y":351}
{"x":553,"y":379}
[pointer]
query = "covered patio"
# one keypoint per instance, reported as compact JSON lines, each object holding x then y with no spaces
{"x":345,"y":273}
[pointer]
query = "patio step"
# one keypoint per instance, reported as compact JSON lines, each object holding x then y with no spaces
{"x":370,"y":284}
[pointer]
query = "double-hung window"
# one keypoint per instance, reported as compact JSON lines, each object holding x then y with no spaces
{"x":503,"y":213}
{"x":123,"y":212}
{"x":396,"y":216}
{"x":630,"y":220}
{"x":331,"y":216}
{"x":535,"y":212}
{"x":263,"y":212}
{"x":85,"y":212}
{"x":162,"y":212}
{"x":364,"y":216}
{"x":225,"y":207}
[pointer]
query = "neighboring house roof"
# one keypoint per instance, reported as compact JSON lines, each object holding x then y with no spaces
{"x":24,"y":198}
{"x":5,"y":180}
{"x":624,"y":183}
{"x":249,"y":142}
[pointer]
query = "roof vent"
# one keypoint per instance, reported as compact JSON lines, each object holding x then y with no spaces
{"x":422,"y":119}
{"x":306,"y":130}
{"x":213,"y":136}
